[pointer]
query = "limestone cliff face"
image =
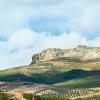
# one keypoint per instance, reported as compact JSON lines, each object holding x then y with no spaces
{"x":82,"y":53}
{"x":47,"y":54}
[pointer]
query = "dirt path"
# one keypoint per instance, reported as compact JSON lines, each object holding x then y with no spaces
{"x":18,"y":95}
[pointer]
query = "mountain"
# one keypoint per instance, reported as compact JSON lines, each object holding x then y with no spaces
{"x":81,"y":54}
{"x":58,"y":66}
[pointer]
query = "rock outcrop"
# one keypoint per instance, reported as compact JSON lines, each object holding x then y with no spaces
{"x":80,"y":53}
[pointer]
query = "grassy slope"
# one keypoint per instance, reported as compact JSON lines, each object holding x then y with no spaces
{"x":29,"y":69}
{"x":55,"y":72}
{"x":56,"y":66}
{"x":87,"y":82}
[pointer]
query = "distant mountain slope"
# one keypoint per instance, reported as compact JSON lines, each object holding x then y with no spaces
{"x":79,"y":54}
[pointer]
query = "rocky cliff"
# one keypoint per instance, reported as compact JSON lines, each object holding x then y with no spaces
{"x":80,"y":53}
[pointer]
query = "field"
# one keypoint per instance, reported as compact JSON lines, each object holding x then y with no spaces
{"x":65,"y":94}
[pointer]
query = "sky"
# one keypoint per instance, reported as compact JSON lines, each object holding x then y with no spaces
{"x":29,"y":26}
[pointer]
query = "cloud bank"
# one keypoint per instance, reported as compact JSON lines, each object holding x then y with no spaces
{"x":53,"y":16}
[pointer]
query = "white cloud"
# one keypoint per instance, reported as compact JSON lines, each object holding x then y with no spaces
{"x":22,"y":39}
{"x":49,"y":15}
{"x":89,"y":17}
{"x":95,"y":42}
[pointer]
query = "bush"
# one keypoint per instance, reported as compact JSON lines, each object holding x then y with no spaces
{"x":4,"y":96}
{"x":28,"y":96}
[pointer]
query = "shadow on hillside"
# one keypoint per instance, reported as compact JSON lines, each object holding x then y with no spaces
{"x":50,"y":79}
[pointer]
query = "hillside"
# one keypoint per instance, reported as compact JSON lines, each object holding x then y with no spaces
{"x":58,"y":66}
{"x":54,"y":66}
{"x":55,"y":74}
{"x":87,"y":82}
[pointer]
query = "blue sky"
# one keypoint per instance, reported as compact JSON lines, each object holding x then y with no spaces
{"x":29,"y":26}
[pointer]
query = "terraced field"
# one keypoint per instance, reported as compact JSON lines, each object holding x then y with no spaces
{"x":75,"y":94}
{"x":43,"y":92}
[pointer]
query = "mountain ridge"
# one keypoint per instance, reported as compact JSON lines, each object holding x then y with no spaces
{"x":81,"y":53}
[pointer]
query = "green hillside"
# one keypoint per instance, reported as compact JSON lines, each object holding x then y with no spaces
{"x":52,"y":76}
{"x":87,"y":82}
{"x":63,"y":74}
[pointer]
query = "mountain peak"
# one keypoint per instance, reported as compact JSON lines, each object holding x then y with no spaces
{"x":81,"y":53}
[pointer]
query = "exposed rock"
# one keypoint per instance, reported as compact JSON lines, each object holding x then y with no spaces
{"x":47,"y":54}
{"x":80,"y":53}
